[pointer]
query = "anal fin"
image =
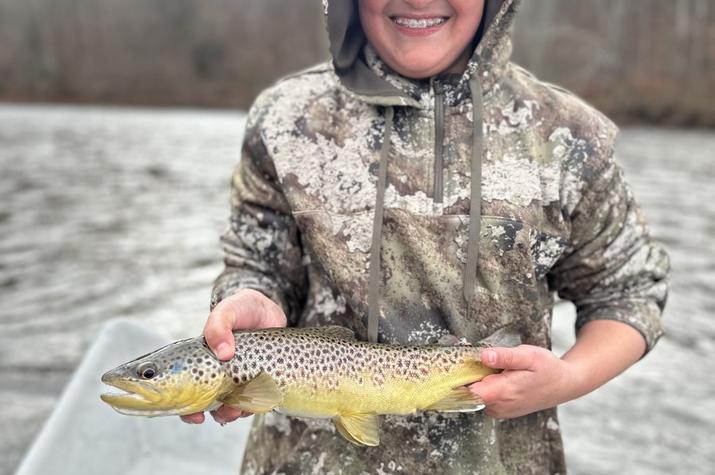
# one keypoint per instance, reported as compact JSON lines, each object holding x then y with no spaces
{"x":261,"y":394}
{"x":360,"y":429}
{"x":459,"y":399}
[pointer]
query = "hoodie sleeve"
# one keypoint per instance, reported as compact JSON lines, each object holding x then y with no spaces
{"x":612,"y":269}
{"x":262,"y":246}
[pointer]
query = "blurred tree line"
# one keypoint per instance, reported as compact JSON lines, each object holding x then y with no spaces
{"x":637,"y":60}
{"x":154,"y":52}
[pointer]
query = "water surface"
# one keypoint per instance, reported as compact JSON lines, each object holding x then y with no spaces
{"x":112,"y":212}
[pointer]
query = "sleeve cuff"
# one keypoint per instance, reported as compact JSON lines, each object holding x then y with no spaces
{"x":226,"y":288}
{"x":644,"y":316}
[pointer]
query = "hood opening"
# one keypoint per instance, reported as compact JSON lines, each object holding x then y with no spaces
{"x":347,"y":41}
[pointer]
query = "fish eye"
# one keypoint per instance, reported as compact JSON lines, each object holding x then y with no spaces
{"x":146,"y":371}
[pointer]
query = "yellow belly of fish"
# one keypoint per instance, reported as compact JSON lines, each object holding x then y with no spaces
{"x":396,"y":396}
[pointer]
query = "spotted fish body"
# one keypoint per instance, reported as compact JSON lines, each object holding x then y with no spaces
{"x":308,"y":372}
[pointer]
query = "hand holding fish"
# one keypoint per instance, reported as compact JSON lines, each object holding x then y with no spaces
{"x":534,"y":378}
{"x":246,"y":310}
{"x":325,"y":372}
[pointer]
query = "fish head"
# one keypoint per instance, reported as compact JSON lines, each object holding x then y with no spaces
{"x":181,"y":378}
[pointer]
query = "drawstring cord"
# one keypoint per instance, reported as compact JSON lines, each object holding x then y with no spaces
{"x":475,"y":195}
{"x":475,"y":202}
{"x":373,"y":292}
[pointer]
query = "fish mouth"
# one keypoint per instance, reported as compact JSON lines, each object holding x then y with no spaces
{"x":135,"y":396}
{"x":141,"y":398}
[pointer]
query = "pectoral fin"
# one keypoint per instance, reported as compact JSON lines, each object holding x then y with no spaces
{"x":261,"y":394}
{"x":459,"y":399}
{"x":360,"y":429}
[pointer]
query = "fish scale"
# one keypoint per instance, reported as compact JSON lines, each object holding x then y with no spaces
{"x":320,"y":372}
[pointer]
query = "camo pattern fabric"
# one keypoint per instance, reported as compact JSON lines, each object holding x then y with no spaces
{"x":557,"y":216}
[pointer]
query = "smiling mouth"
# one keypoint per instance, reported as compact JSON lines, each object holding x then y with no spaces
{"x":418,"y":23}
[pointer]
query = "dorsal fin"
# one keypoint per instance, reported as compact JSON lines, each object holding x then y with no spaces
{"x":451,"y":340}
{"x":506,"y":337}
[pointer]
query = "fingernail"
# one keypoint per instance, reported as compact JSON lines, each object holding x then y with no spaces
{"x":489,"y":357}
{"x":223,"y":351}
{"x":218,"y":418}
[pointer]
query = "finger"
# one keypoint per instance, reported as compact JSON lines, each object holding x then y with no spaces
{"x":225,"y":414}
{"x":488,"y":389}
{"x":196,"y":418}
{"x":253,"y":309}
{"x":217,"y":331}
{"x":249,"y":309}
{"x":519,"y":358}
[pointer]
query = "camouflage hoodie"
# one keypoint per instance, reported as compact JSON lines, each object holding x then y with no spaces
{"x":354,"y":194}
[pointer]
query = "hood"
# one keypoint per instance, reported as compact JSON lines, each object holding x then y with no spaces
{"x":347,"y":44}
{"x":364,"y":75}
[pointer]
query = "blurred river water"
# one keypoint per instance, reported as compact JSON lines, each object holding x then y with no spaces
{"x":111,"y":212}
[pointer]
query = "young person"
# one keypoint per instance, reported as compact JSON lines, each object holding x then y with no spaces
{"x":420,"y":185}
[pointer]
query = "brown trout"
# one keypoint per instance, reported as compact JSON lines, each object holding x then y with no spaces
{"x":318,"y":372}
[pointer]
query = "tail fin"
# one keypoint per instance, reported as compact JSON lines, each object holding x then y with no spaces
{"x":459,"y":399}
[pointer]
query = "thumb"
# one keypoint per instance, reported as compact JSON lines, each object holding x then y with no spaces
{"x":218,"y":332}
{"x":519,"y":358}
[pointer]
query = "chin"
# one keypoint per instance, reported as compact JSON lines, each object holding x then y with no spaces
{"x":419,"y":70}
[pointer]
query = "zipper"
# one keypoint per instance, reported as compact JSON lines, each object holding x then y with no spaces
{"x":438,"y":172}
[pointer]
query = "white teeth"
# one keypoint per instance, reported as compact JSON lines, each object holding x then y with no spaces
{"x":421,"y":23}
